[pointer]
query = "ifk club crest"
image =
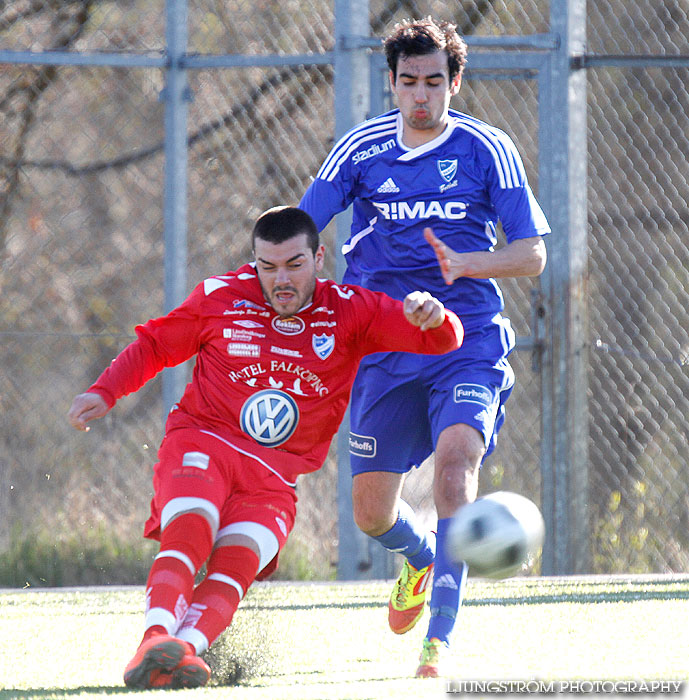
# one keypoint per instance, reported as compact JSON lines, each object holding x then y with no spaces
{"x":323,"y":345}
{"x":447,"y":169}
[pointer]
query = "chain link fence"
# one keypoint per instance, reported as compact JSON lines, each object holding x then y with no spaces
{"x":81,"y":240}
{"x":639,"y":292}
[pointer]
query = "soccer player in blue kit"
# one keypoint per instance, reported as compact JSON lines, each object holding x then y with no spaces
{"x":429,"y":184}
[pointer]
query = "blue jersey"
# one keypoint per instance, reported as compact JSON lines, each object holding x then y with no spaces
{"x":460,"y":184}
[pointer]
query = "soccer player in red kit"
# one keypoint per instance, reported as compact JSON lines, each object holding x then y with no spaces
{"x":276,"y":354}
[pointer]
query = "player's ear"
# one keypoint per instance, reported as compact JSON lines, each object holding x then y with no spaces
{"x":319,"y":257}
{"x":456,"y":84}
{"x":391,"y":78}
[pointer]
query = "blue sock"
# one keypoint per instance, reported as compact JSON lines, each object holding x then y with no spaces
{"x":449,"y":582}
{"x":407,"y":538}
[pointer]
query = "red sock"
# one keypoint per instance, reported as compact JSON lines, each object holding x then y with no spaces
{"x":184,"y":546}
{"x":231,"y":570}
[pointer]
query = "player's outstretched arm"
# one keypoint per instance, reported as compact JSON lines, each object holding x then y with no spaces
{"x":86,"y":407}
{"x":524,"y":257}
{"x":424,"y":310}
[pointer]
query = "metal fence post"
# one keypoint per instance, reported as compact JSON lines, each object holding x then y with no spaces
{"x":176,"y":96}
{"x":351,"y":106}
{"x":564,"y":460}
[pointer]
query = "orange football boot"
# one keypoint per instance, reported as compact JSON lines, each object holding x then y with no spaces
{"x":405,"y":608}
{"x":160,"y":653}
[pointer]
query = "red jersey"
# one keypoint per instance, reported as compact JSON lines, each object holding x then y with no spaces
{"x":273,"y":387}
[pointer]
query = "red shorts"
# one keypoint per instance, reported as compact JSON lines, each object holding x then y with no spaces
{"x":198,"y":464}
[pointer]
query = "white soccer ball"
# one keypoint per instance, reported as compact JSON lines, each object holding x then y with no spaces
{"x":496,"y":534}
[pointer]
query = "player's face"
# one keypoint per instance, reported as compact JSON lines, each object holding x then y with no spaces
{"x":287,"y":272}
{"x":423,"y":90}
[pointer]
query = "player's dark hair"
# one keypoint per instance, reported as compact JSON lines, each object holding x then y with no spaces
{"x":419,"y":37}
{"x":279,"y":224}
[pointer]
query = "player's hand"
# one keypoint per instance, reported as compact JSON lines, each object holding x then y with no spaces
{"x":448,"y":259}
{"x":423,"y":310}
{"x":86,"y":407}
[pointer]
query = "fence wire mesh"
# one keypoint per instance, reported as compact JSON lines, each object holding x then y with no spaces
{"x":639,"y":266}
{"x":479,"y":17}
{"x":639,"y":272}
{"x":81,"y":239}
{"x":83,"y":25}
{"x":262,"y":27}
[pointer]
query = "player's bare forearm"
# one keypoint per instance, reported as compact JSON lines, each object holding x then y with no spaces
{"x":525,"y":257}
{"x":86,"y":407}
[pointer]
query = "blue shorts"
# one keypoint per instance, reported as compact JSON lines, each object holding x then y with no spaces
{"x":401,"y":402}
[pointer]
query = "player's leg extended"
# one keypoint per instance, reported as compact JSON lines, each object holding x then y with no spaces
{"x":467,"y":416}
{"x":186,"y":516}
{"x":458,"y":456}
{"x":391,"y":434}
{"x":383,"y":515}
{"x":232,"y":568}
{"x":254,"y":525}
{"x":184,"y":546}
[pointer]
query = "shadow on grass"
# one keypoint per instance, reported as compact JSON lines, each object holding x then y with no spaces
{"x":356,"y":605}
{"x":10,"y":694}
{"x":610,"y":596}
{"x":574,"y":597}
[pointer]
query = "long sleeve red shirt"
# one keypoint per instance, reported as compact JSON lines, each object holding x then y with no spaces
{"x":274,"y":387}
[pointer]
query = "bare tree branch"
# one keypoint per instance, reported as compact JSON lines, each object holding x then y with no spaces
{"x":11,"y":13}
{"x":65,"y":34}
{"x":249,"y":105}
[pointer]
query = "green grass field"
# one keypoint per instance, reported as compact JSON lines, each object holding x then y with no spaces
{"x":304,"y":641}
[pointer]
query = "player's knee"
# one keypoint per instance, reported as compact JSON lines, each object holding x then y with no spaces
{"x":188,"y":538}
{"x":375,"y":501}
{"x":455,"y":476}
{"x":459,"y":447}
{"x":252,"y":536}
{"x":178,"y":507}
{"x":189,"y":525}
{"x":464,"y":464}
{"x":371,"y":518}
{"x":454,"y":485}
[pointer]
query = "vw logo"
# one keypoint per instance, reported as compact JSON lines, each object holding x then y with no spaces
{"x":269,"y":417}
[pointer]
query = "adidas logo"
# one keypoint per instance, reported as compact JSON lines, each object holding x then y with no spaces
{"x":388,"y":186}
{"x":446,"y":581}
{"x":481,"y":416}
{"x":421,"y":586}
